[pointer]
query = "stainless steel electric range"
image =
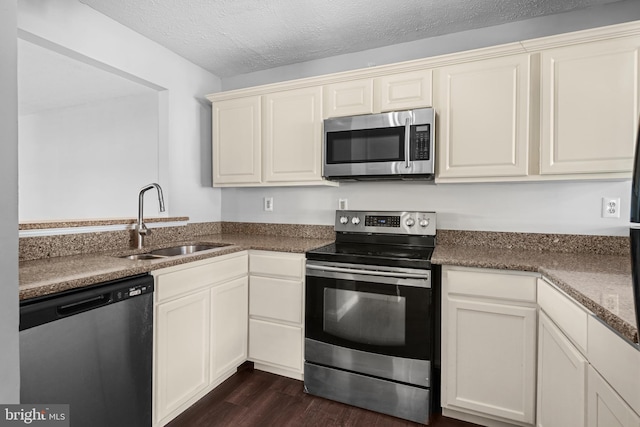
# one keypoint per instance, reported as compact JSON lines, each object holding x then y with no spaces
{"x":370,"y":314}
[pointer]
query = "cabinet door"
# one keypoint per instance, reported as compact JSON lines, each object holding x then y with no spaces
{"x":589,"y":107}
{"x":182,"y":351}
{"x":293,"y":135}
{"x":562,"y":374}
{"x":483,"y":125}
{"x":404,"y":90}
{"x":229,"y":326}
{"x":605,"y":407}
{"x":490,"y":358}
{"x":275,"y":344}
{"x":348,"y":98}
{"x":237,"y":141}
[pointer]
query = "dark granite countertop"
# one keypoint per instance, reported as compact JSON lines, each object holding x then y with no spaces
{"x":601,"y":283}
{"x":50,"y":275}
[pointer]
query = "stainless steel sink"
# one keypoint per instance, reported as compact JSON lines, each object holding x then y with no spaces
{"x":187,"y":249}
{"x":138,"y":257}
{"x":175,"y":251}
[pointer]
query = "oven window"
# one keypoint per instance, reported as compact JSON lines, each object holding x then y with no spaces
{"x":367,"y":316}
{"x":364,"y":317}
{"x":365,"y":146}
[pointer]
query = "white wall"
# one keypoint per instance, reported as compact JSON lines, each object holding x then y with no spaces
{"x":89,"y":160}
{"x":545,"y":207}
{"x":72,"y":26}
{"x":9,"y":360}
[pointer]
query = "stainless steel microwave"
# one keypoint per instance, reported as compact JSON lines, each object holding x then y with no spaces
{"x":395,"y":145}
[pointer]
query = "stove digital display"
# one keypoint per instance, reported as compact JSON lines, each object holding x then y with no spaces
{"x":382,"y":221}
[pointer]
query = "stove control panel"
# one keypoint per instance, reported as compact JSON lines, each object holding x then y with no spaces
{"x":389,"y":222}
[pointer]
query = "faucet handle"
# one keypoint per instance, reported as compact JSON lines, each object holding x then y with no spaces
{"x":144,"y":230}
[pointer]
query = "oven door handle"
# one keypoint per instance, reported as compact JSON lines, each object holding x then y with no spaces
{"x":400,"y":275}
{"x":422,"y":280}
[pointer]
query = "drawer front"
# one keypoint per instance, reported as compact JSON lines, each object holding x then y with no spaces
{"x":277,"y":264}
{"x":216,"y":270}
{"x":275,"y":344}
{"x":568,"y":315}
{"x":490,"y":284}
{"x":616,"y":360}
{"x":276,"y":299}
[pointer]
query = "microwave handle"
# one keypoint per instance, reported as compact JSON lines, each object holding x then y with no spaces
{"x":407,"y":140}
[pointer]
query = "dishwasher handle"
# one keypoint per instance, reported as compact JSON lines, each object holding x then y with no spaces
{"x":83,"y":305}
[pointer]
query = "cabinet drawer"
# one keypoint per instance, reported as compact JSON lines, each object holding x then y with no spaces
{"x":196,"y":275}
{"x":277,"y":264}
{"x":569,"y":316}
{"x":276,"y":344}
{"x":616,"y":360}
{"x":276,"y":298}
{"x":490,"y":284}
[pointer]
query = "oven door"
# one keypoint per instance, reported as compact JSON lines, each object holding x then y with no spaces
{"x":380,"y":310}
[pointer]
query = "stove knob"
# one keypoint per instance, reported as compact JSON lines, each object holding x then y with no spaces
{"x":424,"y":222}
{"x":409,"y":222}
{"x":344,"y":219}
{"x":355,"y":220}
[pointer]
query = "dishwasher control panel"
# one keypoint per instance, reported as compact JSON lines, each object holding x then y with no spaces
{"x":133,"y":291}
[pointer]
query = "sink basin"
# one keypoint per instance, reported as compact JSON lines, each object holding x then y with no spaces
{"x":138,"y":257}
{"x":175,"y":250}
{"x":186,"y":249}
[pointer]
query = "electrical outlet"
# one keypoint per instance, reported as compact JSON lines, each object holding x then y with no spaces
{"x":610,"y":207}
{"x":611,"y":302}
{"x":268,"y":204}
{"x":342,"y":204}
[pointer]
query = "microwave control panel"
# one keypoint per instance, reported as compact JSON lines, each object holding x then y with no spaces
{"x":420,"y":142}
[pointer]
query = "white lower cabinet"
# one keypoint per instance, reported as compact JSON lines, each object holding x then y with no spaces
{"x":488,"y":345}
{"x":276,"y":315}
{"x":182,"y":351}
{"x":587,"y":374}
{"x":606,"y":407}
{"x":562,"y":378}
{"x":229,"y":326}
{"x":201,"y":312}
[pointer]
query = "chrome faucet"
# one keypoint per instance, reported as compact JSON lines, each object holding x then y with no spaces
{"x":140,"y":227}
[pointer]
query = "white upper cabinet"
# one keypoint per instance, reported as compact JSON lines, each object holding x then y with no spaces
{"x":350,"y":98}
{"x":393,"y":92}
{"x":237,"y":141}
{"x":403,"y":91}
{"x":292,"y":129}
{"x":483,"y":118}
{"x":589,"y":107}
{"x":555,"y":108}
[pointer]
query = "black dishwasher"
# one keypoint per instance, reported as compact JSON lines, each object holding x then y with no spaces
{"x":92,"y":349}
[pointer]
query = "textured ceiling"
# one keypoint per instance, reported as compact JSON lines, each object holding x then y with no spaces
{"x":231,"y":37}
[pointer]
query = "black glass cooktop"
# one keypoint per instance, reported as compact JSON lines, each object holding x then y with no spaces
{"x":401,"y":255}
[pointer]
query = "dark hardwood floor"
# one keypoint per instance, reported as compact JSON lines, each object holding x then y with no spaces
{"x":259,"y":399}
